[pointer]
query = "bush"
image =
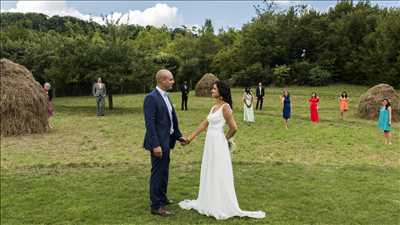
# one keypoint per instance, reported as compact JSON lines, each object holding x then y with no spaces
{"x":280,"y":75}
{"x":319,"y":76}
{"x":299,"y":72}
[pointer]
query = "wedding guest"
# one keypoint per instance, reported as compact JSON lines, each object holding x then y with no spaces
{"x":185,"y":94}
{"x":385,"y":120}
{"x":260,"y":92}
{"x":50,"y":108}
{"x":248,"y":112}
{"x":99,"y":91}
{"x":313,"y":101}
{"x":287,"y":106}
{"x":343,"y":103}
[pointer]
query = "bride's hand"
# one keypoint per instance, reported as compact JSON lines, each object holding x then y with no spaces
{"x":188,"y":140}
{"x":184,"y":141}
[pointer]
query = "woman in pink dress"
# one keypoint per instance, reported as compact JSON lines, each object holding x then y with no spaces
{"x":313,"y":101}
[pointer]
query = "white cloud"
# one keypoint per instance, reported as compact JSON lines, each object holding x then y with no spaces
{"x":49,"y":8}
{"x":159,"y":15}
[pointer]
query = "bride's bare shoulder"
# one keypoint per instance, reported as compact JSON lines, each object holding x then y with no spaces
{"x":226,"y":108}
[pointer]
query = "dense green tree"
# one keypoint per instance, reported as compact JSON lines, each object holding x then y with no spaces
{"x":350,"y":43}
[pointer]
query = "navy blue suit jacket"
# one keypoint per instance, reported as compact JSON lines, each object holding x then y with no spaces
{"x":158,"y":123}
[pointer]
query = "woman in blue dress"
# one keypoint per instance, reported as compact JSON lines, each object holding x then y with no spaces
{"x":385,"y":120}
{"x":287,"y":105}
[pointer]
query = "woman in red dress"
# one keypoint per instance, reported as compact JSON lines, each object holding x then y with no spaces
{"x":314,"y":100}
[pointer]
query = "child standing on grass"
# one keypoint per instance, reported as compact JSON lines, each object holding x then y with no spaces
{"x":385,"y":120}
{"x":313,"y":101}
{"x":343,"y":103}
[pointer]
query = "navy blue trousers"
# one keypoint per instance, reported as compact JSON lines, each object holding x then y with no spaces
{"x":159,"y":180}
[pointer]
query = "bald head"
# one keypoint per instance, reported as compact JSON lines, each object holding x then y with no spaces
{"x":162,"y":75}
{"x":164,"y":79}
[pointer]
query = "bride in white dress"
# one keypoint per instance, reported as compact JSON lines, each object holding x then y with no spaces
{"x":217,"y":196}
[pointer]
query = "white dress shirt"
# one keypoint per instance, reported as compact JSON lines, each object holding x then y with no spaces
{"x":164,"y":94}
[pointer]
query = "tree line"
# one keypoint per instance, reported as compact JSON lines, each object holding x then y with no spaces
{"x":350,"y":43}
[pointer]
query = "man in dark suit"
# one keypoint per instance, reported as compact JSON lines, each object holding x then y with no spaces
{"x":260,"y":95}
{"x":162,"y":131}
{"x":185,"y":93}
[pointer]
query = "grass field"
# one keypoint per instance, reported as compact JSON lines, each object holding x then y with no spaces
{"x":93,"y":170}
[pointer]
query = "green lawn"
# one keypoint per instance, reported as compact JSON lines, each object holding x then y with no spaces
{"x":93,"y":170}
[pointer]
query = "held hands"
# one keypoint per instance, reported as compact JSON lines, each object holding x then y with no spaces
{"x":184,"y":141}
{"x":157,"y":152}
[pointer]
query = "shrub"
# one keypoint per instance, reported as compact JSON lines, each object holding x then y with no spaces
{"x":299,"y":72}
{"x":280,"y":75}
{"x":319,"y":76}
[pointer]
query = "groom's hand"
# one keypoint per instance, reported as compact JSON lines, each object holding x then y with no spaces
{"x":157,"y":152}
{"x":183,"y":141}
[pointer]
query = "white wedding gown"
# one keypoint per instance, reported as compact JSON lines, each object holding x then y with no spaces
{"x":248,"y":113}
{"x":217,"y":196}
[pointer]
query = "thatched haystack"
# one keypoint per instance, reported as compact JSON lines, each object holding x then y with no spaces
{"x":370,"y":102}
{"x":203,"y":87}
{"x":23,"y":105}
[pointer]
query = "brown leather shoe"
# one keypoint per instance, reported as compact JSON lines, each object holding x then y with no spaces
{"x":161,"y":212}
{"x":168,"y":213}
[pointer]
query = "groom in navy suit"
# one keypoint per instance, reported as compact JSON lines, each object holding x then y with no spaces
{"x":162,"y":132}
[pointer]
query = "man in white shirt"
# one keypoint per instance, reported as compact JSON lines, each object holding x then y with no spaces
{"x":162,"y":131}
{"x":260,"y":95}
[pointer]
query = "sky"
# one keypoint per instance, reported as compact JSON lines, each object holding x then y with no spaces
{"x":224,"y":14}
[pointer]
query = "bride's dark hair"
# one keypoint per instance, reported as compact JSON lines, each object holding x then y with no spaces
{"x":224,"y":92}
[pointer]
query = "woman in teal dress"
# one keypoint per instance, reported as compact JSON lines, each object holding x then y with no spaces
{"x":385,"y":120}
{"x":287,"y":106}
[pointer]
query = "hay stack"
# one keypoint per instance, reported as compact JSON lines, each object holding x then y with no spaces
{"x":203,"y":87}
{"x":23,"y":105}
{"x":370,"y":102}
